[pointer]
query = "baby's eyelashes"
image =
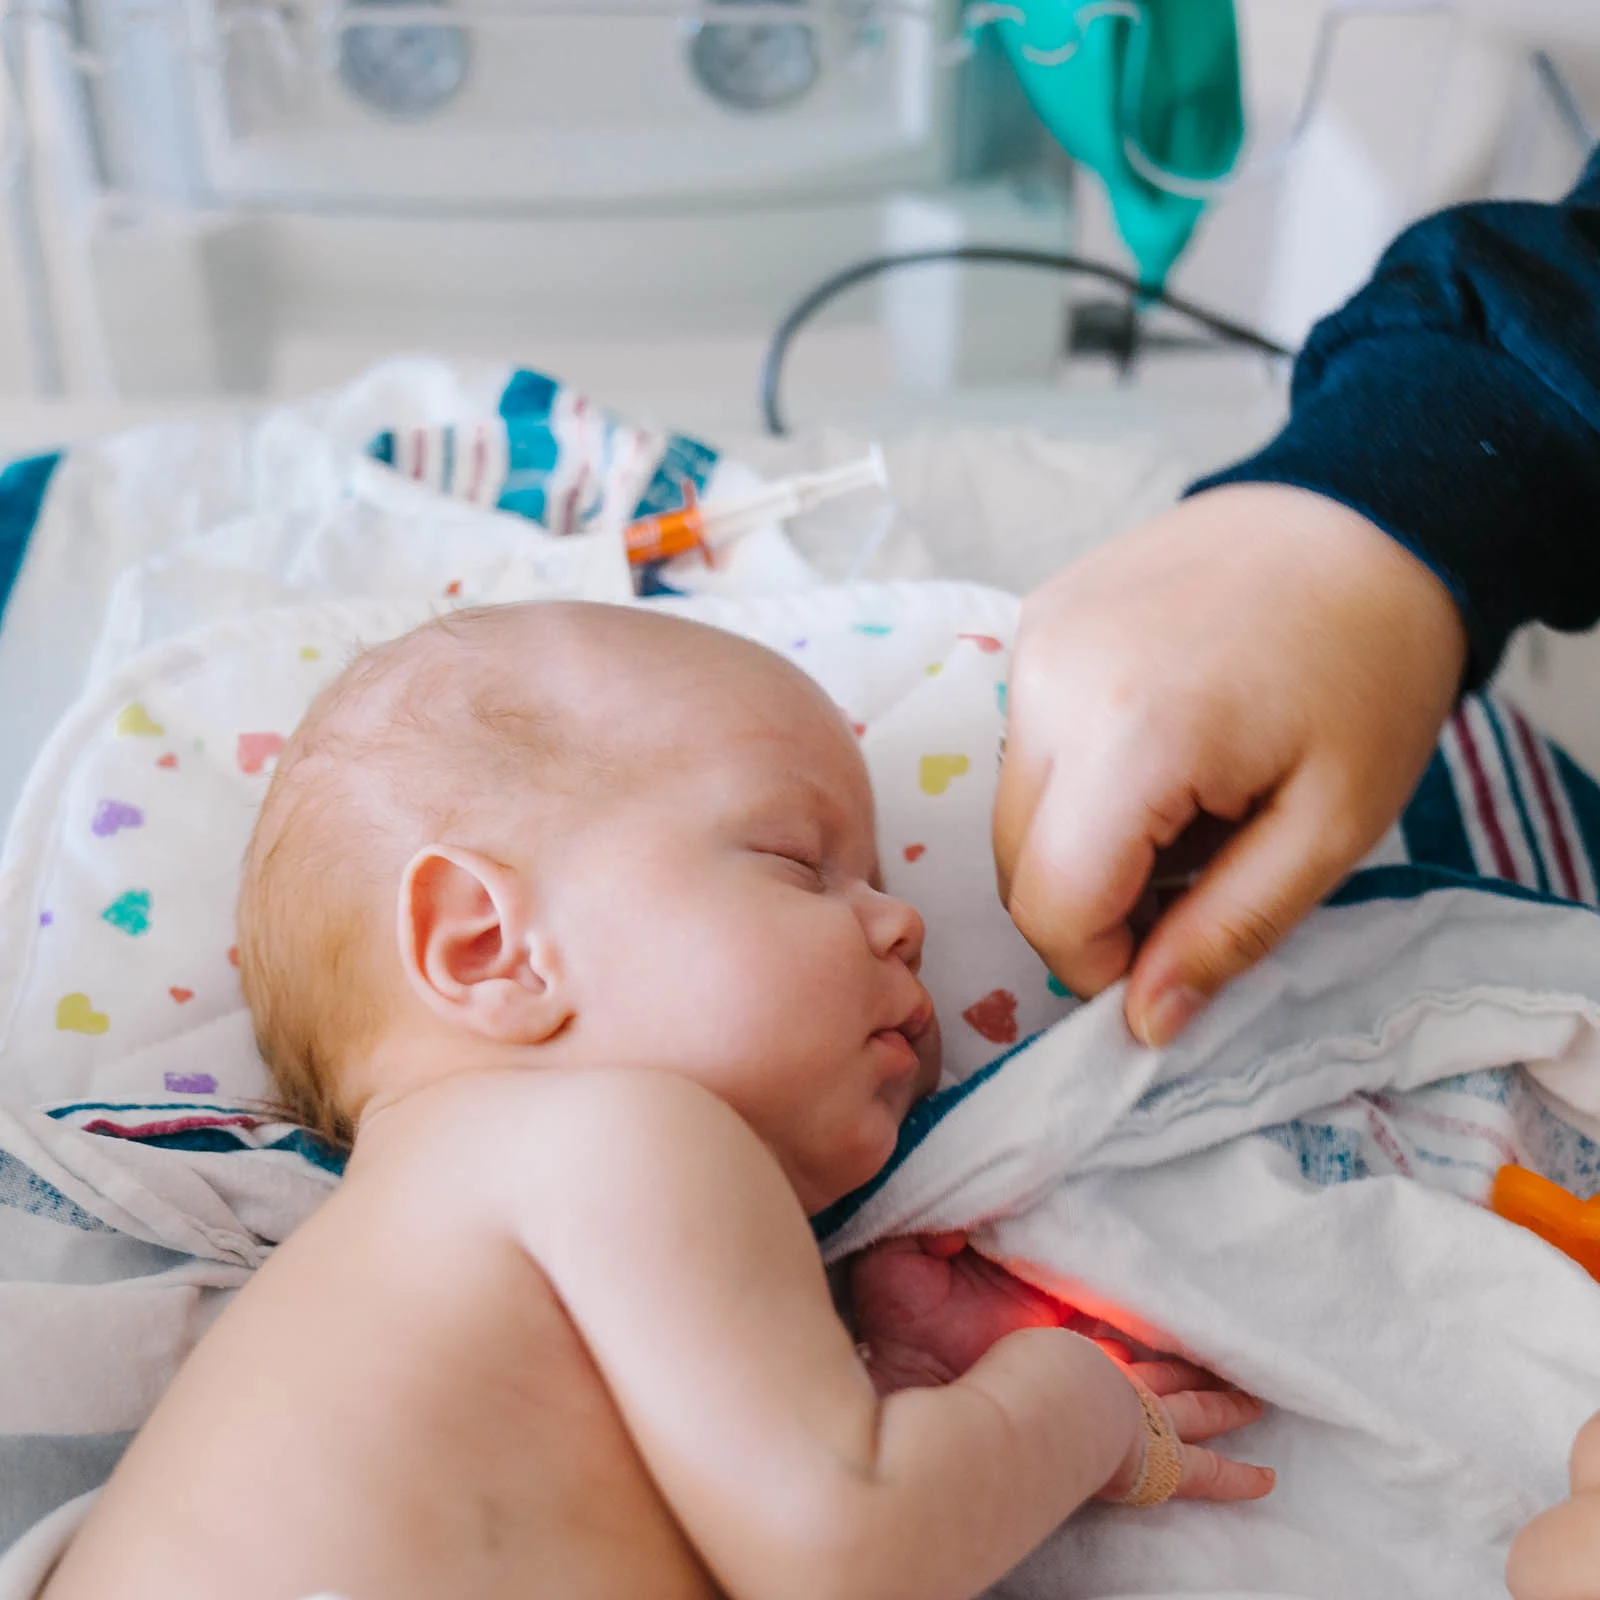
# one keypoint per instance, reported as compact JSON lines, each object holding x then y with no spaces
{"x":804,"y":868}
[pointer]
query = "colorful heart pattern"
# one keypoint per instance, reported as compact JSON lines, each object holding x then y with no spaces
{"x":937,"y":771}
{"x":994,"y":1016}
{"x":189,"y":1082}
{"x":112,"y":816}
{"x":75,"y":1014}
{"x":255,"y":750}
{"x":130,"y":912}
{"x":134,"y":722}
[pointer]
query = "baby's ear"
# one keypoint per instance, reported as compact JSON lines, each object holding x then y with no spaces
{"x":470,"y":949}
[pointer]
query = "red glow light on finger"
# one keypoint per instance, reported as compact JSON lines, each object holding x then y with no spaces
{"x":1118,"y":1351}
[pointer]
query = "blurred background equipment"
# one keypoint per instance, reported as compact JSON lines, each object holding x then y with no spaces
{"x":208,"y":198}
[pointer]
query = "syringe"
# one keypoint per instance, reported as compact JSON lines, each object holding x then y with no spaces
{"x":701,"y":527}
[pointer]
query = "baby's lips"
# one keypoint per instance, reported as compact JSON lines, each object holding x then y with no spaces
{"x":920,"y":1019}
{"x":929,"y":1046}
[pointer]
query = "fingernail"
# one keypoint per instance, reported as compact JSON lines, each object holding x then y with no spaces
{"x":1172,"y":1011}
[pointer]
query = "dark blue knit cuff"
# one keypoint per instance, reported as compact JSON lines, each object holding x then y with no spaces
{"x":1462,"y":457}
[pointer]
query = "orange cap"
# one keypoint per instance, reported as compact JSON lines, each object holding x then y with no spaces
{"x":1545,"y":1208}
{"x":669,"y":533}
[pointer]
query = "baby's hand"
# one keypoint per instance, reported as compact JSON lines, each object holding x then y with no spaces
{"x":927,"y":1308}
{"x":1557,"y":1556}
{"x":1199,"y":1405}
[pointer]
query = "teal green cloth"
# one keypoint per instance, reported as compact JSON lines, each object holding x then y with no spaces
{"x":1167,"y":83}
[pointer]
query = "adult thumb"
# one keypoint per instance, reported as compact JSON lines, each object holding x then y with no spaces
{"x":1275,"y":869}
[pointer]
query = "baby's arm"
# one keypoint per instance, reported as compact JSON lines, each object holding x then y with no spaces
{"x":687,"y":1265}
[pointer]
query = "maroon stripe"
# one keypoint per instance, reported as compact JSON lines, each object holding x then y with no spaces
{"x":1483,"y":799}
{"x":1502,"y":1146}
{"x":1547,"y":804}
{"x":155,"y":1130}
{"x":1386,"y":1141}
{"x":419,"y":466}
{"x":478,"y":457}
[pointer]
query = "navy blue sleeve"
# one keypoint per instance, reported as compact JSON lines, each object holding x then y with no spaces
{"x":1455,"y":402}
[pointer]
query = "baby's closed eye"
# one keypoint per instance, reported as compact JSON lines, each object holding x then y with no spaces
{"x":805,"y":868}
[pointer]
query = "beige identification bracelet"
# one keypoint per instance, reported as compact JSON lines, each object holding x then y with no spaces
{"x":1161,"y":1467}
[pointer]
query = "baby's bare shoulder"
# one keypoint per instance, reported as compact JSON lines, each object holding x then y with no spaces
{"x":532,"y":1144}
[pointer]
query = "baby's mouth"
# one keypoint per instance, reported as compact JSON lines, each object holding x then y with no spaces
{"x":910,"y":1063}
{"x":916,"y":1041}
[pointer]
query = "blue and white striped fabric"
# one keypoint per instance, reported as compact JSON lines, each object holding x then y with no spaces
{"x":553,"y":456}
{"x":123,"y":1228}
{"x":23,"y":485}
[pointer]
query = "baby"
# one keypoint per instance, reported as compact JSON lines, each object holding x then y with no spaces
{"x":569,"y":919}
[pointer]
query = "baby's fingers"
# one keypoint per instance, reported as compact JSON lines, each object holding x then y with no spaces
{"x":1204,"y":1413}
{"x":1172,"y":1375}
{"x":1208,"y":1476}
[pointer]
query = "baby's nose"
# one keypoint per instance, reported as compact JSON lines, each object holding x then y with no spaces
{"x":895,"y":928}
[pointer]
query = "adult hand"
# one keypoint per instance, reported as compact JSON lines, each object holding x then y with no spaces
{"x":1257,"y":654}
{"x":1557,"y":1556}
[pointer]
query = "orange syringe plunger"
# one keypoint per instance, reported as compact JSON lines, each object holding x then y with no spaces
{"x":668,"y":533}
{"x":706,"y":528}
{"x":1545,"y":1208}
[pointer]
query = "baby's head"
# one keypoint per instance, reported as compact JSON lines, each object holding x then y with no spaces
{"x":568,"y":835}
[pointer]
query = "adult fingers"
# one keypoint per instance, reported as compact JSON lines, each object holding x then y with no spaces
{"x":1584,"y":1465}
{"x":1081,"y":858}
{"x":1557,"y":1556}
{"x":1277,"y":866}
{"x":1208,"y":1476}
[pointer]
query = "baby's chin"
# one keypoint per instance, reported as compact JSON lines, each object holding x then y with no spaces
{"x":871,"y":1154}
